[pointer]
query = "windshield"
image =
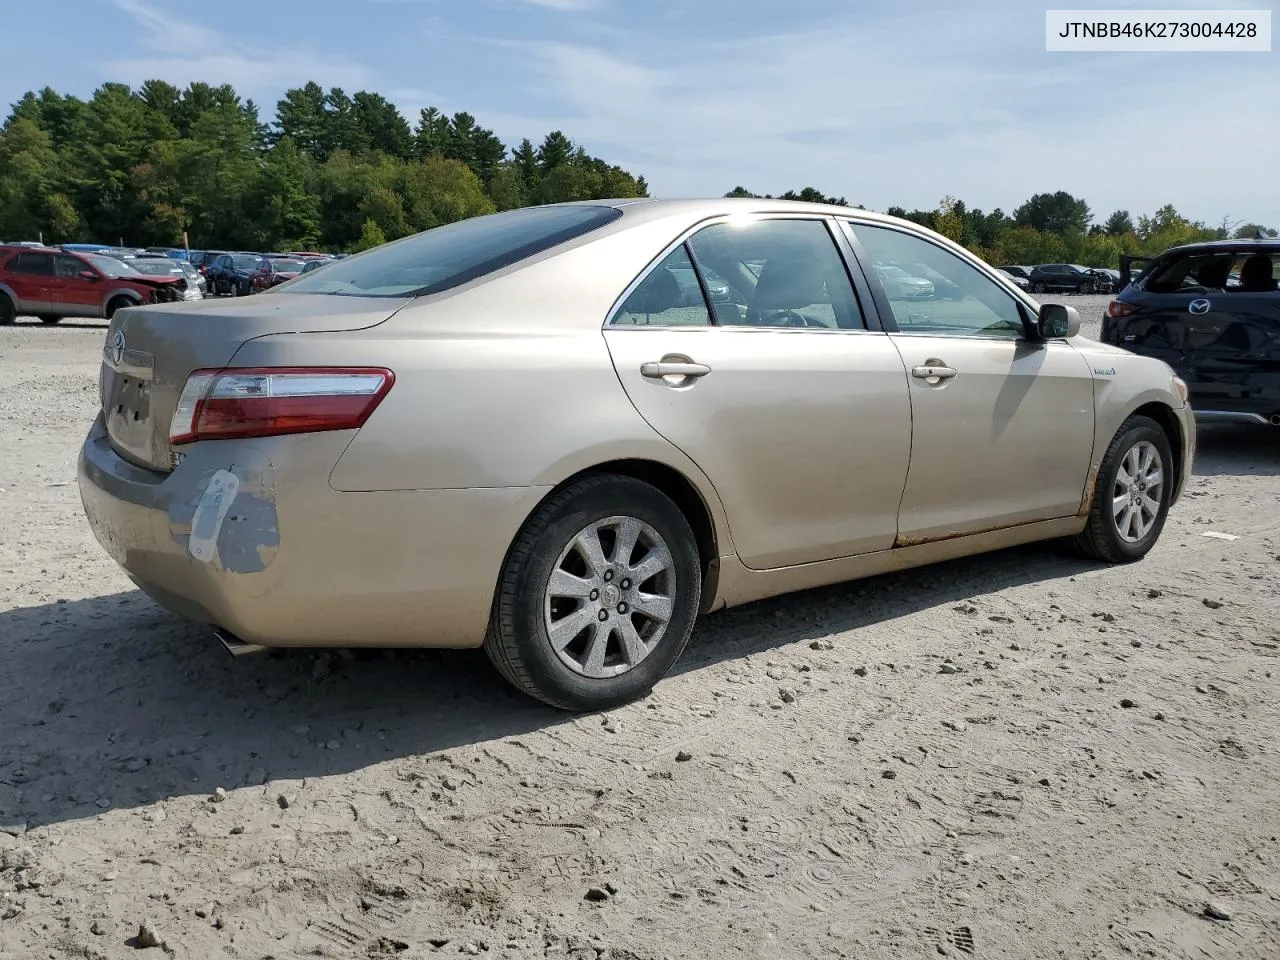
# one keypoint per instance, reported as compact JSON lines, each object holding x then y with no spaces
{"x":287,"y":266}
{"x":445,"y":257}
{"x":159,"y":268}
{"x":111,"y":266}
{"x":246,"y":263}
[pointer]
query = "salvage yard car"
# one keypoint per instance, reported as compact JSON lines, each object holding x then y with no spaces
{"x":52,"y":284}
{"x":1212,"y":312}
{"x":520,"y":432}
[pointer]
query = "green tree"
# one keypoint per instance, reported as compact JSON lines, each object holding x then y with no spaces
{"x":370,"y":236}
{"x":382,"y":125}
{"x":1118,"y":224}
{"x":300,"y":116}
{"x":1057,"y":212}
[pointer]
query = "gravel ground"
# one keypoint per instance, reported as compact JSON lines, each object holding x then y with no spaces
{"x":1016,"y":756}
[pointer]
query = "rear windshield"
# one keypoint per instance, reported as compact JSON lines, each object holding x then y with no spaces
{"x":454,"y":254}
{"x":1226,"y":270}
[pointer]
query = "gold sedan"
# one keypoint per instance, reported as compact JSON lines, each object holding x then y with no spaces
{"x":564,"y":432}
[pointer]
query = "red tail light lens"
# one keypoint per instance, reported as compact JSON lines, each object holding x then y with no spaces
{"x":270,"y":401}
{"x":1118,"y":308}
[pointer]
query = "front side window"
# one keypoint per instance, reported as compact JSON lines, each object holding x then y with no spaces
{"x":776,"y":273}
{"x":449,"y":256}
{"x":953,"y":298}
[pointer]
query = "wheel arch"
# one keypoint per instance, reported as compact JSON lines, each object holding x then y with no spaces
{"x":682,"y":492}
{"x":1167,"y":420}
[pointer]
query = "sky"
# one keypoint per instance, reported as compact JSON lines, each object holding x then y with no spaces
{"x":885,"y":102}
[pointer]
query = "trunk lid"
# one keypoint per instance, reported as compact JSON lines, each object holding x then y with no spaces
{"x":150,"y":350}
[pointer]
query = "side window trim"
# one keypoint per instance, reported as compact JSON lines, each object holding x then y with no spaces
{"x":882,"y":298}
{"x":699,"y":274}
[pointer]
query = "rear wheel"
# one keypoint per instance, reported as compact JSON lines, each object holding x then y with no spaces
{"x":50,"y":320}
{"x":598,"y":596}
{"x":1131,"y":496}
{"x":8,"y":312}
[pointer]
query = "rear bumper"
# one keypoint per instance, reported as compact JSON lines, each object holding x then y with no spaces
{"x":293,"y":562}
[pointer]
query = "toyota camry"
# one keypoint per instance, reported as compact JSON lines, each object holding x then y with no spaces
{"x":562,"y":433}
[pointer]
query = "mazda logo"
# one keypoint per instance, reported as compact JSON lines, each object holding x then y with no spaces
{"x":1199,"y":306}
{"x":117,"y":346}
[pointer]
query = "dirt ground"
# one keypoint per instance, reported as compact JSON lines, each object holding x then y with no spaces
{"x":1017,"y":756}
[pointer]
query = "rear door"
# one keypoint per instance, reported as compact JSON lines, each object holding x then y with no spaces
{"x":1002,"y":424}
{"x":794,"y":407}
{"x":30,"y":275}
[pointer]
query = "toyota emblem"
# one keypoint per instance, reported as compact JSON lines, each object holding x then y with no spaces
{"x":1199,"y":306}
{"x":117,"y":346}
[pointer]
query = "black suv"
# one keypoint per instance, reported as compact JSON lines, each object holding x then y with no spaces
{"x":1063,"y":278}
{"x":1212,"y":312}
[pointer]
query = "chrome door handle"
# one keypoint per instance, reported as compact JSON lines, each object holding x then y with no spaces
{"x":934,"y":371}
{"x":669,"y":368}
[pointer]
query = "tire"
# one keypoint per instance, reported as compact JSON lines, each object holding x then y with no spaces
{"x":115,"y":304}
{"x":519,"y":640}
{"x":50,"y":320}
{"x":1088,"y":287}
{"x":1102,"y":538}
{"x":1037,"y":287}
{"x":8,"y":312}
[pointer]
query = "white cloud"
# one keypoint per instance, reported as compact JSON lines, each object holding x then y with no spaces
{"x":914,"y":105}
{"x":182,"y":51}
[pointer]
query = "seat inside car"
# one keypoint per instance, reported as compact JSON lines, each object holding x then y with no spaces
{"x":659,"y":292}
{"x":1256,"y":275}
{"x":788,"y":284}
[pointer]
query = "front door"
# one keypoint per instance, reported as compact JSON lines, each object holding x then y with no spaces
{"x":1003,"y":423}
{"x":795,"y":409}
{"x":72,"y":294}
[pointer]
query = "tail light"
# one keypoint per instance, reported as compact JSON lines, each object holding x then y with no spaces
{"x":1118,"y":308}
{"x":270,"y":401}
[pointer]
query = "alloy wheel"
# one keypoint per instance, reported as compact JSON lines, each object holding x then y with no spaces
{"x":610,"y":597}
{"x":1138,"y":492}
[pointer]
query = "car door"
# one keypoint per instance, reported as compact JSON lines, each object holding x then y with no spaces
{"x":30,"y":275}
{"x":779,"y":390}
{"x":72,"y":295}
{"x":1002,"y":423}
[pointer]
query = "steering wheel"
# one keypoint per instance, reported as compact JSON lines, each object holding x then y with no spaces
{"x":793,"y":318}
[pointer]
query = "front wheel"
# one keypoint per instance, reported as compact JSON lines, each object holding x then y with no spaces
{"x":598,"y":596}
{"x":1037,"y":287}
{"x":1131,"y":496}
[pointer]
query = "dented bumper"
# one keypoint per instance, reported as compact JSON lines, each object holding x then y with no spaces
{"x":250,"y":537}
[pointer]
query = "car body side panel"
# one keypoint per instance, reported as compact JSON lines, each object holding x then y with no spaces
{"x":806,"y":434}
{"x":1006,"y":441}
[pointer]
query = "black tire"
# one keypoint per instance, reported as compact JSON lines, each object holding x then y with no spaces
{"x":1088,"y":287}
{"x":115,"y":304}
{"x":1101,"y":538}
{"x":518,"y":641}
{"x":8,"y":312}
{"x":50,"y":320}
{"x":1037,"y":287}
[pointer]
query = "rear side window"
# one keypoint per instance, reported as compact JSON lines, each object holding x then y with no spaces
{"x":40,"y":264}
{"x":449,"y":256}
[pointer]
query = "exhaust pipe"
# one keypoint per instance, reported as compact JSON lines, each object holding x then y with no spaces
{"x":1275,"y":419}
{"x":235,"y":646}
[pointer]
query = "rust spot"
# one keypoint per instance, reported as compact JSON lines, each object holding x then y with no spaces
{"x":902,"y":541}
{"x":1090,"y":487}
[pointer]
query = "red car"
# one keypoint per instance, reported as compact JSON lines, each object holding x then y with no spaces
{"x":276,"y":270}
{"x":52,"y":284}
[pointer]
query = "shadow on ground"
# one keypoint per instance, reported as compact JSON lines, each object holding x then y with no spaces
{"x":1237,"y":451}
{"x":111,"y":702}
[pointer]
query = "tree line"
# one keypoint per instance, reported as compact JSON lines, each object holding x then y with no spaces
{"x":331,"y":171}
{"x":346,"y":172}
{"x":1052,"y":228}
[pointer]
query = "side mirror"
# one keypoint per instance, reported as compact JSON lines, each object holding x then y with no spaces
{"x":1056,"y":321}
{"x":88,"y":275}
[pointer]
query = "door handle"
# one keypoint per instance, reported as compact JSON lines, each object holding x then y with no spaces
{"x":671,"y":368}
{"x":933,"y":371}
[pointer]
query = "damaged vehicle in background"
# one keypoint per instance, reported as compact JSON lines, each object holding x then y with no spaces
{"x":524,"y":432}
{"x":52,"y":284}
{"x":1212,"y":312}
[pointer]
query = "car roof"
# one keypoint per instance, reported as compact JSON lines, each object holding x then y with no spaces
{"x":1270,"y":245}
